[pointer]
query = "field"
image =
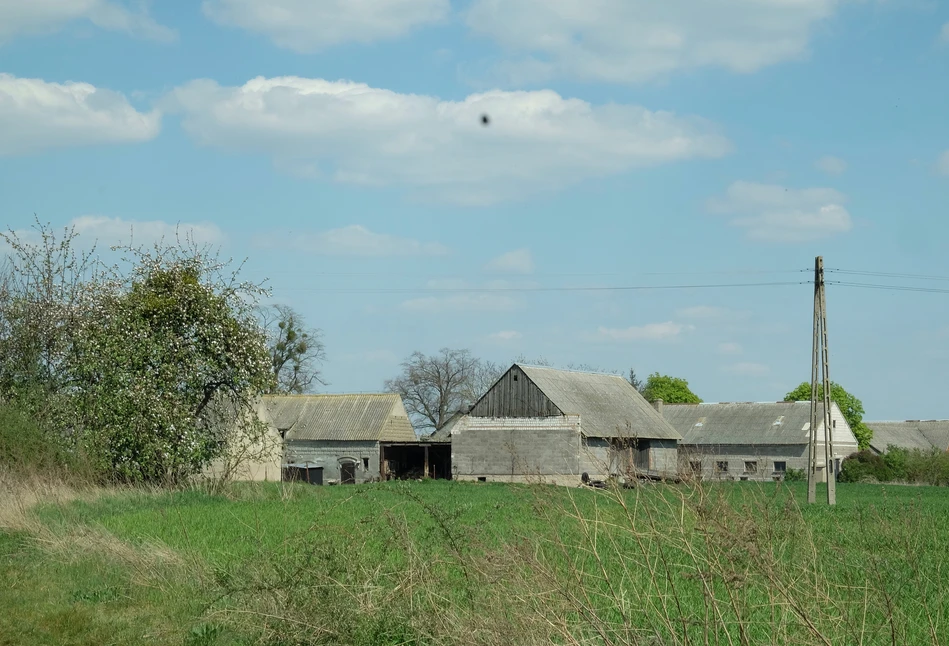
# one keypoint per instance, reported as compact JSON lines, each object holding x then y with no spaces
{"x":446,"y":563}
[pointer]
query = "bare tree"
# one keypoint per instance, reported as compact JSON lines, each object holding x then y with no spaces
{"x":296,"y":351}
{"x":635,"y":381}
{"x":434,"y":387}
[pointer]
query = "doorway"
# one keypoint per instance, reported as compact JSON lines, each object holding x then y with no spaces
{"x":347,"y":473}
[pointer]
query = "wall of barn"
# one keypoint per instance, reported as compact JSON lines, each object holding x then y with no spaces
{"x":331,"y":454}
{"x":664,"y":457}
{"x":600,"y":460}
{"x":514,"y":395}
{"x":511,"y":449}
{"x":706,"y":457}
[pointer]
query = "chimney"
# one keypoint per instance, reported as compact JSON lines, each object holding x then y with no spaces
{"x":657,"y":404}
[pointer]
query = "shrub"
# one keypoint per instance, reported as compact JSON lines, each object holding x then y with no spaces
{"x":795,"y":475}
{"x":865,"y":465}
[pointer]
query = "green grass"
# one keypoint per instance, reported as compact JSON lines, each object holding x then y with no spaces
{"x":446,"y":562}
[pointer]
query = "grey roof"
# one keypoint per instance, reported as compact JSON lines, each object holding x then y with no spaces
{"x":911,"y":434}
{"x":779,"y":423}
{"x":444,"y":433}
{"x":365,"y":417}
{"x":607,"y":404}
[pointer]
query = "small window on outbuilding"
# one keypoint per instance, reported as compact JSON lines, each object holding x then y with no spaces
{"x":721,"y":466}
{"x":365,"y":463}
{"x":482,"y":479}
{"x":780,"y":467}
{"x":751,"y":467}
{"x":696,"y":467}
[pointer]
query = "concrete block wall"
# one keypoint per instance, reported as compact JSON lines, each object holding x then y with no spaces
{"x":329,"y":455}
{"x":516,"y":449}
{"x":793,"y":455}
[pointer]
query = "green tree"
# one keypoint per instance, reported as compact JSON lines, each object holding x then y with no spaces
{"x":166,"y":367}
{"x":296,"y":352}
{"x":850,"y":406}
{"x":671,"y":390}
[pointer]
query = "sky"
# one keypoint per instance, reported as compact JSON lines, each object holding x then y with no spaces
{"x":651,"y":189}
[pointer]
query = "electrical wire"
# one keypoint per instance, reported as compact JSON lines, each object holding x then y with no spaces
{"x":896,"y":288}
{"x":444,"y":290}
{"x":881,"y":274}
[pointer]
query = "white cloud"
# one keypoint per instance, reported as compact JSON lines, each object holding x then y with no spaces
{"x":353,"y":240}
{"x":505,"y":335}
{"x":729,"y":348}
{"x":466,"y":302}
{"x":109,"y":231}
{"x":748,"y":369}
{"x":104,"y":232}
{"x":361,"y":135}
{"x":831,"y":165}
{"x":636,"y":40}
{"x":942,"y":164}
{"x":36,"y":115}
{"x":774,"y":213}
{"x":519,"y":261}
{"x":712,"y":313}
{"x":311,"y":25}
{"x":27,"y":17}
{"x":650,"y":332}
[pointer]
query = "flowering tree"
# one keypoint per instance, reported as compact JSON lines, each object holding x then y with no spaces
{"x":153,"y":371}
{"x":167,"y":365}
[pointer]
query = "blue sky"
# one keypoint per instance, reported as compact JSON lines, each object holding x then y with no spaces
{"x":338,"y":146}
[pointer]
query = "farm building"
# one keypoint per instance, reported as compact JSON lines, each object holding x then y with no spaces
{"x":924,"y":435}
{"x":555,"y":425}
{"x":754,"y":441}
{"x":331,"y":439}
{"x":255,"y":456}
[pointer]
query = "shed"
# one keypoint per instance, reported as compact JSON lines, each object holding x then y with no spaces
{"x":924,"y":435}
{"x":337,"y":438}
{"x":754,"y":440}
{"x":555,"y":425}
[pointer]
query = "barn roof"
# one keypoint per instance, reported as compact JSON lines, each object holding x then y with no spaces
{"x":780,"y":423}
{"x":356,"y":417}
{"x":911,"y":434}
{"x":607,"y":404}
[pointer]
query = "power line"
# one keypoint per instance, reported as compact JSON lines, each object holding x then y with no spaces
{"x":447,"y":290}
{"x":882,"y":274}
{"x":896,"y":288}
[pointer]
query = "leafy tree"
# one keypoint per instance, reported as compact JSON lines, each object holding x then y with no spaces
{"x":296,"y":351}
{"x":850,"y":406}
{"x":671,"y":390}
{"x":434,"y":387}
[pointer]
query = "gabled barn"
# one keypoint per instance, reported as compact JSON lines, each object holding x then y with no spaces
{"x":555,"y":425}
{"x":332,"y":439}
{"x":754,"y":440}
{"x":924,"y":435}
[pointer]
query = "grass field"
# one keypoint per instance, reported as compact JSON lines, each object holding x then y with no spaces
{"x":446,"y":563}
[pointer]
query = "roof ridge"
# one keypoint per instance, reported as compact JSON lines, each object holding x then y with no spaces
{"x":578,"y":372}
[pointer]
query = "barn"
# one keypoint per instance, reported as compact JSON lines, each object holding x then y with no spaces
{"x":754,"y":440}
{"x":542,"y":424}
{"x":925,"y":435}
{"x":337,"y":439}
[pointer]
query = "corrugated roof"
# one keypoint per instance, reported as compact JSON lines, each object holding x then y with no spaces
{"x":910,"y":434}
{"x":607,"y":404}
{"x":365,"y":417}
{"x":780,"y":423}
{"x":444,"y":433}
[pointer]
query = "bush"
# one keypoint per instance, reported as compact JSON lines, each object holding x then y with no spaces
{"x":863,"y":466}
{"x":26,"y":446}
{"x":795,"y":475}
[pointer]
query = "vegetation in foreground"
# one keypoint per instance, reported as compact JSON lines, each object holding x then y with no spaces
{"x":446,"y":563}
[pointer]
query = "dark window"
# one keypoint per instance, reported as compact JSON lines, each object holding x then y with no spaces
{"x":780,"y":467}
{"x":365,"y":463}
{"x":347,"y":473}
{"x":751,"y":466}
{"x":721,"y":466}
{"x":482,"y":479}
{"x":696,"y":467}
{"x":833,"y":423}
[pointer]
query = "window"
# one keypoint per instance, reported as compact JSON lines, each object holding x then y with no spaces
{"x":833,"y":423}
{"x":721,"y":466}
{"x":696,"y":467}
{"x":482,"y":479}
{"x":751,"y":467}
{"x":780,"y":467}
{"x":365,"y":463}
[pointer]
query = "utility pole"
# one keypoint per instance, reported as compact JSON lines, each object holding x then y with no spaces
{"x":820,"y":370}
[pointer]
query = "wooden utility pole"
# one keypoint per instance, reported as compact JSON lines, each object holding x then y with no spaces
{"x":820,"y":370}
